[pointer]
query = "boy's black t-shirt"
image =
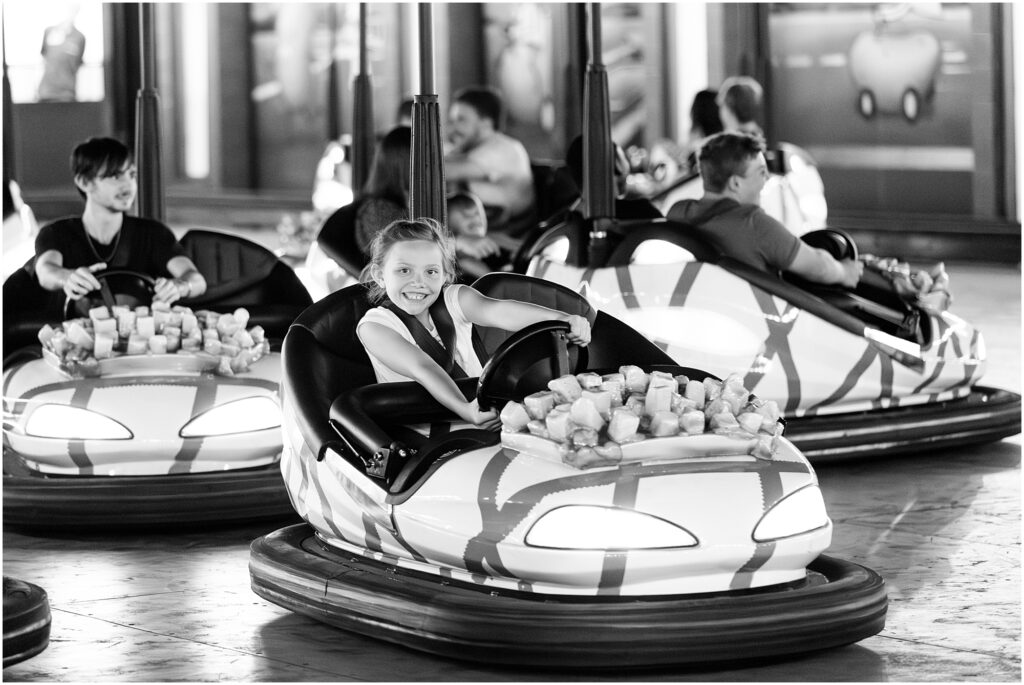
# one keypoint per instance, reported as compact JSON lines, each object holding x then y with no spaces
{"x":143,"y":245}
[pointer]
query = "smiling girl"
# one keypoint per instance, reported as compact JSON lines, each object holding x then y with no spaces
{"x":422,"y":329}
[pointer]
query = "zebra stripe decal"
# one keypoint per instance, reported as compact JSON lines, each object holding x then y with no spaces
{"x":482,"y":555}
{"x":776,"y":345}
{"x":804,"y":382}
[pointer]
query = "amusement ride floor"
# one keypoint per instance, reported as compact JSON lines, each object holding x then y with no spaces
{"x":943,"y":529}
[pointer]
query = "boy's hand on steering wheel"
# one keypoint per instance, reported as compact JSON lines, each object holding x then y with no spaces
{"x":81,"y":281}
{"x":579,"y":329}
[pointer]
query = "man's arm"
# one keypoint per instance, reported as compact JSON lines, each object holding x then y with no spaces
{"x":819,"y":266}
{"x":75,"y":283}
{"x":459,"y":167}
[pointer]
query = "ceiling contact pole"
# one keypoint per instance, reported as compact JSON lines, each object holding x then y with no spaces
{"x":147,"y":122}
{"x":427,"y":184}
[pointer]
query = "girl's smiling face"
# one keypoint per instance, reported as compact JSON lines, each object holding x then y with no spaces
{"x":412,"y":274}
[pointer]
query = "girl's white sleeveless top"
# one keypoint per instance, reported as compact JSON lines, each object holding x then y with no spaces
{"x":465,"y":356}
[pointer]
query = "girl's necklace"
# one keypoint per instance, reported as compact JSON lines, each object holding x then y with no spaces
{"x":113,"y":251}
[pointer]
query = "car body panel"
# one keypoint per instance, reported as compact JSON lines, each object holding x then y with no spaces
{"x":707,"y":317}
{"x":153,"y":405}
{"x":470,"y":516}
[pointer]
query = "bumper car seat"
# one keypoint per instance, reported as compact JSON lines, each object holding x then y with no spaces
{"x":323,"y":358}
{"x":27,"y":307}
{"x":337,"y":238}
{"x":241,"y":273}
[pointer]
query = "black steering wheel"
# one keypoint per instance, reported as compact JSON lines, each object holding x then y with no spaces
{"x":130,"y":288}
{"x":524,"y":363}
{"x":836,"y":242}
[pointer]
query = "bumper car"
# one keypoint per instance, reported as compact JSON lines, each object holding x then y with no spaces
{"x":149,"y":439}
{"x":497,"y":548}
{"x":857,"y":373}
{"x":26,"y":620}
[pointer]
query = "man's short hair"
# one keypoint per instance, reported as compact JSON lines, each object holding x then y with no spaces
{"x":724,"y":155}
{"x":743,"y":96}
{"x":486,"y":101}
{"x":98,"y":158}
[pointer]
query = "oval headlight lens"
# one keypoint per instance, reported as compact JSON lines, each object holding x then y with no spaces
{"x":605,"y":528}
{"x":241,"y":416}
{"x":802,"y":511}
{"x":73,"y":423}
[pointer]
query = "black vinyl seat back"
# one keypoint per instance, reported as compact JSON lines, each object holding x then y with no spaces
{"x":337,"y":238}
{"x":613,"y":343}
{"x":553,"y":187}
{"x":242,"y":273}
{"x":630,"y":235}
{"x":26,"y":308}
{"x":325,"y":364}
{"x":322,"y":358}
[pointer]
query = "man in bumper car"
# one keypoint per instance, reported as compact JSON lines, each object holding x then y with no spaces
{"x":733,"y":171}
{"x":72,"y":250}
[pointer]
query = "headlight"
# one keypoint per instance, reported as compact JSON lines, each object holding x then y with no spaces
{"x":800,"y":512}
{"x":605,"y":528}
{"x":240,"y":416}
{"x":73,"y":423}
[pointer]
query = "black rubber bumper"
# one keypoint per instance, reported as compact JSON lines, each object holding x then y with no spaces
{"x":987,"y":414}
{"x":26,"y":620}
{"x":35,"y":501}
{"x":839,"y":604}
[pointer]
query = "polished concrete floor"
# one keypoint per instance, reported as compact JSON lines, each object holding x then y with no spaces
{"x":943,"y":529}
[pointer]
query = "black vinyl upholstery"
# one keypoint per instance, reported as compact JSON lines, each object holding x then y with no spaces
{"x":242,"y":273}
{"x":27,"y":307}
{"x":326,"y":366}
{"x":337,"y":238}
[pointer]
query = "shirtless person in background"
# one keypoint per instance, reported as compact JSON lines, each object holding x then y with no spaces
{"x":492,"y":165}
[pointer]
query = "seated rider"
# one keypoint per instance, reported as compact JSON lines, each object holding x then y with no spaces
{"x":733,"y":171}
{"x":489,"y":163}
{"x":467,"y":222}
{"x":71,"y":250}
{"x":422,"y":329}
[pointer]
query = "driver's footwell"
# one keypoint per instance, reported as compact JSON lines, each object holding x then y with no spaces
{"x":942,"y":529}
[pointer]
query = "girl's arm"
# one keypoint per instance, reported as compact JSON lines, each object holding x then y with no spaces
{"x":401,"y":356}
{"x":513,"y":315}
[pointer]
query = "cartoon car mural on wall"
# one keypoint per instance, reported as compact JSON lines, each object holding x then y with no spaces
{"x":894,"y":68}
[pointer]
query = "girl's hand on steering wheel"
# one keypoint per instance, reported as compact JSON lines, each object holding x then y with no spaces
{"x":579,"y":329}
{"x":81,"y":281}
{"x":488,"y":420}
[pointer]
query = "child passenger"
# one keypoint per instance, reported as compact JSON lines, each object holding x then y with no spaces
{"x":422,"y":329}
{"x":477,"y":254}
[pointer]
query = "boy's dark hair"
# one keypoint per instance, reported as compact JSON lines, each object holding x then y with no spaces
{"x":486,"y":101}
{"x":743,"y":96}
{"x":99,"y":157}
{"x":724,"y":155}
